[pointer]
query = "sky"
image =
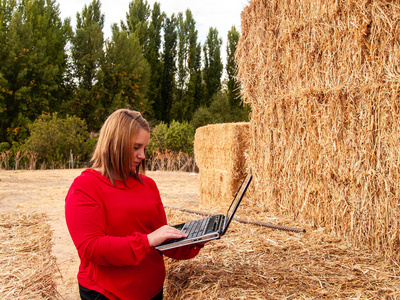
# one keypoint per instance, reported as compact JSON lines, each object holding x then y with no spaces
{"x":220,"y":14}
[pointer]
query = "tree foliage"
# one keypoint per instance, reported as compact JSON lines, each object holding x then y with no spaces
{"x":124,"y":75}
{"x":87,"y":55}
{"x":176,"y":137}
{"x":52,"y":138}
{"x":153,"y":55}
{"x":32,"y":63}
{"x":169,"y":70}
{"x":233,"y":88}
{"x":213,"y":66}
{"x":188,"y":86}
{"x":219,"y":111}
{"x":152,"y":63}
{"x":138,"y":21}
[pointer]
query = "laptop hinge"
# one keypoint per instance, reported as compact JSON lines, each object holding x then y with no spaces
{"x":215,"y":224}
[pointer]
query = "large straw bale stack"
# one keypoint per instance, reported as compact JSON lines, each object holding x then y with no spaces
{"x":323,"y":82}
{"x":219,"y":151}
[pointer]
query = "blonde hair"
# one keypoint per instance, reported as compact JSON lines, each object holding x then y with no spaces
{"x":114,"y":150}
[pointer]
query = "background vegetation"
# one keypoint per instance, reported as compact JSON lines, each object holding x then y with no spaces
{"x":58,"y":84}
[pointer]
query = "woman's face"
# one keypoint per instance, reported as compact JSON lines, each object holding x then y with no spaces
{"x":142,"y":140}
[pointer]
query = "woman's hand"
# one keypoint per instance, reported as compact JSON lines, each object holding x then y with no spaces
{"x":164,"y":233}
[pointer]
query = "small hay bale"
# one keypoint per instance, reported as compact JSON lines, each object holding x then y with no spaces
{"x":26,"y":264}
{"x":219,"y":151}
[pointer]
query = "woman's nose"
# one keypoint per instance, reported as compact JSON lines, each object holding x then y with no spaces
{"x":141,"y":154}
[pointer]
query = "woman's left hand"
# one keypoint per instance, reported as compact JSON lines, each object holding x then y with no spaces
{"x":163,"y":234}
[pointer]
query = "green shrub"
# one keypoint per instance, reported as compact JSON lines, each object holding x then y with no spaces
{"x":158,"y":138}
{"x":90,"y":146}
{"x":177,"y":137}
{"x":4,"y":146}
{"x":180,"y":137}
{"x":52,"y":138}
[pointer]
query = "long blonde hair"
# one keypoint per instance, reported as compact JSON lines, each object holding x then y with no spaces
{"x":114,"y":150}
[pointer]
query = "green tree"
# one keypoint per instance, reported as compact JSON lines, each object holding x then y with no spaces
{"x":88,"y":55}
{"x":153,"y":55}
{"x":195,"y":87}
{"x":33,"y":60}
{"x":182,"y":57}
{"x":219,"y":111}
{"x":188,"y":85}
{"x":233,"y":88}
{"x":212,"y":64}
{"x":169,"y":70}
{"x":7,"y":10}
{"x":138,"y":21}
{"x":124,"y":75}
{"x":87,"y":44}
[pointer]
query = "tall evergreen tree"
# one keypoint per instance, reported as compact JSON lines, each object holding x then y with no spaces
{"x":138,"y":21}
{"x":32,"y":62}
{"x":179,"y":107}
{"x":233,"y":88}
{"x":182,"y":68}
{"x":124,"y":75}
{"x":169,"y":70}
{"x":88,"y":43}
{"x":188,"y":69}
{"x":212,"y":64}
{"x":87,"y":55}
{"x":195,"y":85}
{"x":153,"y":55}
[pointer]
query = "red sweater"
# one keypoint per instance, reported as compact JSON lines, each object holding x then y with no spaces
{"x":109,"y":226}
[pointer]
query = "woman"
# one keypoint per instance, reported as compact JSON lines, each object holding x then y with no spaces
{"x":115,"y":217}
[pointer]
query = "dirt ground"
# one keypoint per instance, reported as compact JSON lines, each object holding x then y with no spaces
{"x":43,"y":191}
{"x":251,"y":262}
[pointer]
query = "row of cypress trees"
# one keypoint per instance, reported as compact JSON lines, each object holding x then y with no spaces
{"x":153,"y":63}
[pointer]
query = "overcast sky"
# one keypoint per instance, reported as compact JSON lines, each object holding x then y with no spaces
{"x":221,"y":14}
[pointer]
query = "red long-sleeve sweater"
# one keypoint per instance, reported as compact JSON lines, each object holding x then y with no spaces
{"x":109,"y":226}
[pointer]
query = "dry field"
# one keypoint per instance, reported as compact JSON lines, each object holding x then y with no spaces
{"x":251,"y":262}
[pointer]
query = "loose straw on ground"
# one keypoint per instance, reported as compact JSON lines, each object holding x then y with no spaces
{"x":26,"y":264}
{"x":253,"y":262}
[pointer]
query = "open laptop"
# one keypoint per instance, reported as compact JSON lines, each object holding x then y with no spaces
{"x":209,"y":228}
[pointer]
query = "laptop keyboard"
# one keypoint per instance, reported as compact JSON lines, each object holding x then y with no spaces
{"x":195,"y":228}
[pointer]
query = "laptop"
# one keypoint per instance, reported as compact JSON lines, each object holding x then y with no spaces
{"x":209,"y":228}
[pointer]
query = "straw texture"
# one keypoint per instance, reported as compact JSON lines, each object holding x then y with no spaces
{"x":323,"y":82}
{"x":26,"y":264}
{"x":254,"y":262}
{"x":220,"y":155}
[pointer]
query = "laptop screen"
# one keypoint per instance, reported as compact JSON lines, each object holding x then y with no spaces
{"x":236,"y":200}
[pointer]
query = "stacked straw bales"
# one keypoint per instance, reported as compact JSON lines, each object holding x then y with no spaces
{"x":323,"y":82}
{"x":220,"y":155}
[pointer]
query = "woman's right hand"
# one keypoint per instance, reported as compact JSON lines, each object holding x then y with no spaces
{"x":163,"y":234}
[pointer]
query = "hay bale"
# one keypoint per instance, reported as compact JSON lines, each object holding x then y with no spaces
{"x":322,"y":80}
{"x":26,"y":264}
{"x":219,"y":151}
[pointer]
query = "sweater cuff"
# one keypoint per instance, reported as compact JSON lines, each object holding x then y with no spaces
{"x":146,"y":243}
